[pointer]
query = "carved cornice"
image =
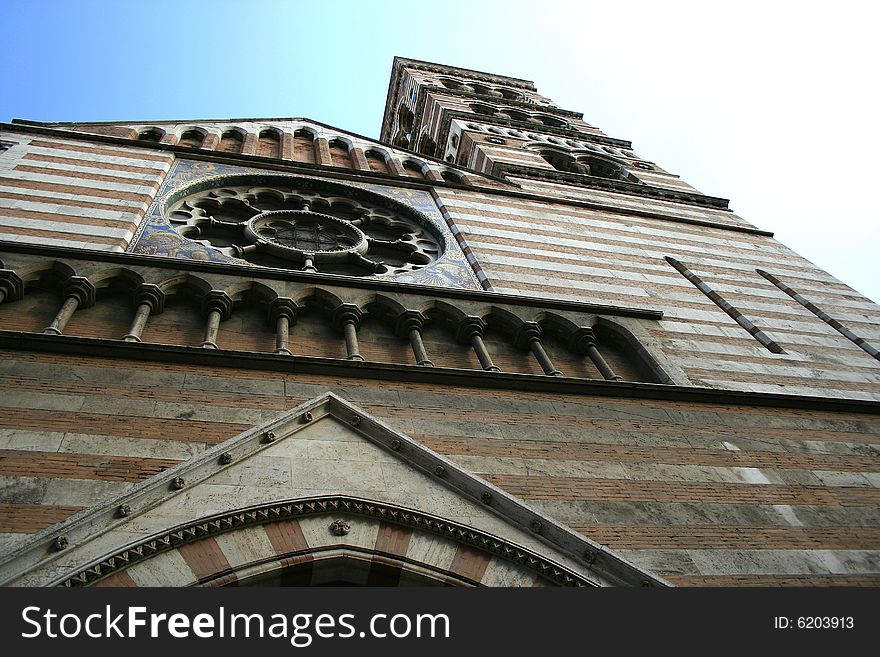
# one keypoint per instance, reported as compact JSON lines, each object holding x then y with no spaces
{"x":619,"y":186}
{"x":268,"y":513}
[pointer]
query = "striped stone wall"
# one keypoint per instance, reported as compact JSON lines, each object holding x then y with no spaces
{"x":76,"y":194}
{"x":698,"y":493}
{"x":563,"y":251}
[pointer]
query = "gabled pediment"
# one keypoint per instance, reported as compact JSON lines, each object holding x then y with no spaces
{"x":323,"y":479}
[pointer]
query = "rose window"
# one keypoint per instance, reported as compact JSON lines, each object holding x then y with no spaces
{"x":308,"y":225}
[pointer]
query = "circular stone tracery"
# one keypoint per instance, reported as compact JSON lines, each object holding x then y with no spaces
{"x":306,"y":224}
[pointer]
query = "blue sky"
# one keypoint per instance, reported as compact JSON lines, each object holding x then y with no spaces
{"x":772,"y":104}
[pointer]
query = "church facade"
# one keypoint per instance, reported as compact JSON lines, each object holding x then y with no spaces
{"x":494,"y":347}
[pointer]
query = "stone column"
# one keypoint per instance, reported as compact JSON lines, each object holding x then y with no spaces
{"x":471,"y":331}
{"x":78,"y":293}
{"x":11,"y":286}
{"x":583,"y":341}
{"x":216,"y":306}
{"x":410,"y":325}
{"x":347,"y":319}
{"x":432,"y":174}
{"x":282,"y":313}
{"x":528,"y":336}
{"x":150,"y":300}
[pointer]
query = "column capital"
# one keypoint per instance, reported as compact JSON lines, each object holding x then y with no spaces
{"x":526,"y":334}
{"x":468,"y":328}
{"x":81,"y":289}
{"x":219,"y":301}
{"x":346,"y":313}
{"x":581,"y":340}
{"x":11,"y":284}
{"x":152,"y":295}
{"x":407,"y":321}
{"x":283,"y":307}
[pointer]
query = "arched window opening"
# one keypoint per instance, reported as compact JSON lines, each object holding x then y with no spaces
{"x":552,"y":121}
{"x":414,"y":169}
{"x":376,"y":161}
{"x":516,"y":115}
{"x":230,"y":142}
{"x":269,"y":144}
{"x":192,"y":138}
{"x":303,"y":146}
{"x":405,"y":121}
{"x":339,"y":154}
{"x":449,"y":83}
{"x":485,"y":110}
{"x":452,"y":177}
{"x":427,"y":146}
{"x":601,"y":168}
{"x":560,"y":161}
{"x":151,"y":134}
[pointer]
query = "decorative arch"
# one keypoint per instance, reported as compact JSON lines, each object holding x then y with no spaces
{"x":414,"y":168}
{"x":231,"y":141}
{"x":340,"y":153}
{"x":153,"y":134}
{"x":193,"y":137}
{"x":377,"y":160}
{"x":269,"y":143}
{"x":304,"y":145}
{"x":613,"y":336}
{"x":283,"y":537}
